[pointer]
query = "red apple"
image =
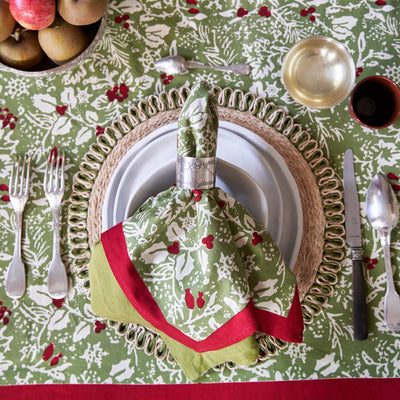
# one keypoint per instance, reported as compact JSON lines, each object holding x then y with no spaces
{"x":33,"y":14}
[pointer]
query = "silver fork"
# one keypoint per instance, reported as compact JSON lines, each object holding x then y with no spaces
{"x":54,"y":190}
{"x":19,"y":190}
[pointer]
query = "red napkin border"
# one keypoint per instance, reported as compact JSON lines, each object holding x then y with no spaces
{"x":239,"y":327}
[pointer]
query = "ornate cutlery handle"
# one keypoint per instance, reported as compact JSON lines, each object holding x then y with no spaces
{"x":392,"y":299}
{"x":15,"y":280}
{"x":239,"y":69}
{"x":57,"y":279}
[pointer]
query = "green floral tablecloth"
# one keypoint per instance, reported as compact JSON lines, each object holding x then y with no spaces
{"x":46,"y":341}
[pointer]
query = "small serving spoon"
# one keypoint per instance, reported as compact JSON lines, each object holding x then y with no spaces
{"x":178,"y":65}
{"x":383,"y":214}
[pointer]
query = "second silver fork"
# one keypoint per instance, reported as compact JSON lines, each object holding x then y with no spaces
{"x":54,"y":190}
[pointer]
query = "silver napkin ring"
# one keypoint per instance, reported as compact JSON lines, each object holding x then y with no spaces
{"x":195,"y":173}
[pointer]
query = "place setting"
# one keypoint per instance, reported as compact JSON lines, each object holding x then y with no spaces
{"x":285,"y":199}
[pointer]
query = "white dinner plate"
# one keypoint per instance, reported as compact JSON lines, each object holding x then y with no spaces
{"x":248,"y":168}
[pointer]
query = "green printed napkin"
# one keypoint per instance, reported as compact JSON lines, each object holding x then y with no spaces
{"x":195,"y":266}
{"x":109,"y":301}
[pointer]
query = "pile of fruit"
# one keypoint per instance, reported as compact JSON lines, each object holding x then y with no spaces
{"x":31,"y":31}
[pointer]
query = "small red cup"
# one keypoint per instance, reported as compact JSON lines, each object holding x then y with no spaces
{"x":375,"y":102}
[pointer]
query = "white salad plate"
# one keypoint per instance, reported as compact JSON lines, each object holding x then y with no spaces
{"x":248,"y":168}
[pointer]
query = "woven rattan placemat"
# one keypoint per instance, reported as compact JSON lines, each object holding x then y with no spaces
{"x":322,"y":244}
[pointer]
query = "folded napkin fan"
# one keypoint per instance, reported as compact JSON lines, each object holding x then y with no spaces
{"x":193,"y":265}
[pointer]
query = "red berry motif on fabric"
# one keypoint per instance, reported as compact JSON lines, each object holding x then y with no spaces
{"x":208,"y":241}
{"x":200,"y":301}
{"x":4,"y":197}
{"x":3,"y":311}
{"x":241,"y":12}
{"x":380,"y":3}
{"x":99,"y":326}
{"x":264,"y":12}
{"x":58,"y":302}
{"x":310,"y":10}
{"x":221,"y":204}
{"x":53,"y":155}
{"x":120,"y":18}
{"x":99,"y":130}
{"x":61,"y":109}
{"x":392,"y":176}
{"x":166,"y":78}
{"x":198,"y":194}
{"x":174,"y":248}
{"x":189,"y":299}
{"x":256,"y":239}
{"x":48,"y":352}
{"x":192,"y":10}
{"x":370,"y":262}
{"x":55,"y":359}
{"x":7,"y":118}
{"x":119,"y":93}
{"x":359,"y":70}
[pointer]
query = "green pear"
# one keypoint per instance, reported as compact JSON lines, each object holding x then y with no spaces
{"x":21,"y":50}
{"x":62,"y":41}
{"x":81,"y":12}
{"x":7,"y":21}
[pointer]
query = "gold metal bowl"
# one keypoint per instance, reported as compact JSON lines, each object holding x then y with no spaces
{"x":318,"y":72}
{"x":47,"y":67}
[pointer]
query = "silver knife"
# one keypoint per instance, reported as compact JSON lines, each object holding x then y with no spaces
{"x":353,"y":238}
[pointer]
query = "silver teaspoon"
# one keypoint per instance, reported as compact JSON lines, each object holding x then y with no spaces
{"x":383,"y":214}
{"x":178,"y":65}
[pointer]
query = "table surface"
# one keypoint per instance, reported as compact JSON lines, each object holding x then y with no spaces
{"x":213,"y":32}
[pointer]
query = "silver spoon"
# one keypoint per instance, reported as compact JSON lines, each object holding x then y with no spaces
{"x":383,"y":214}
{"x":178,"y":65}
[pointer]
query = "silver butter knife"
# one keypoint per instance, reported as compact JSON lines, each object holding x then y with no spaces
{"x":353,"y":238}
